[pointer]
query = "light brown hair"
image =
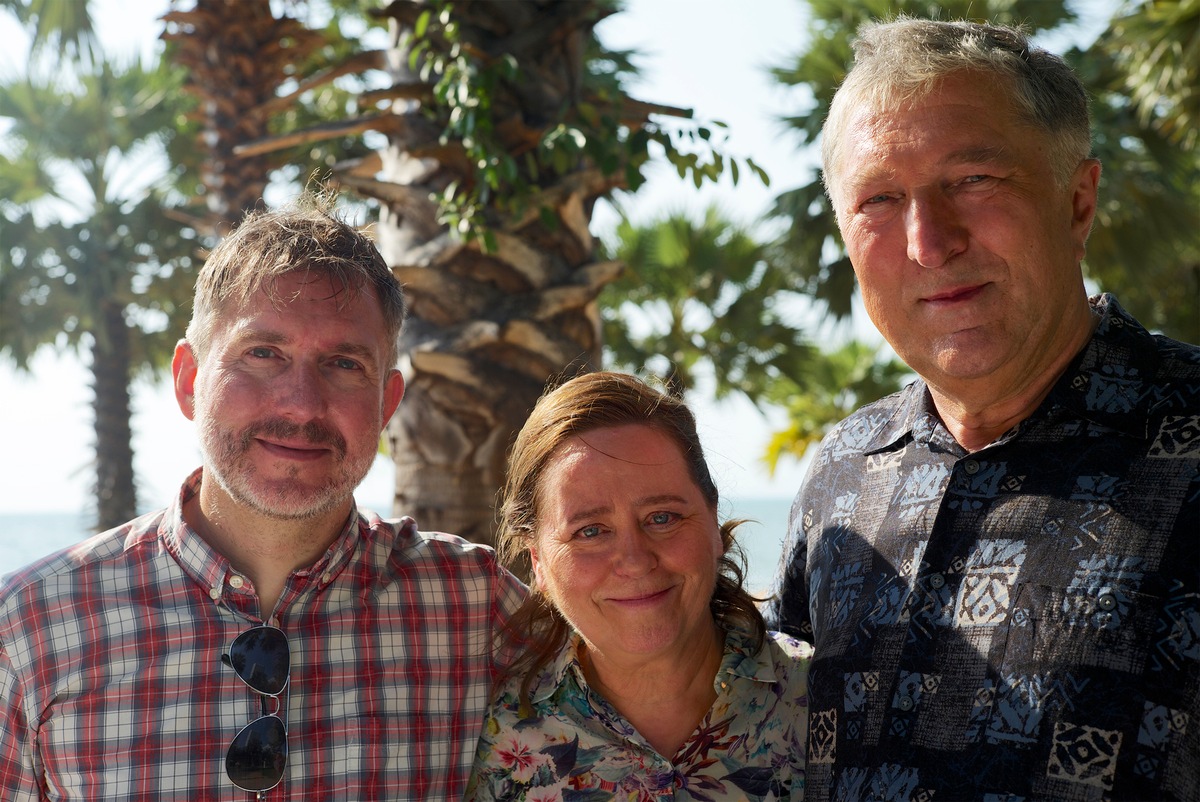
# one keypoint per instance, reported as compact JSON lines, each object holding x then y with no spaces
{"x":306,"y":236}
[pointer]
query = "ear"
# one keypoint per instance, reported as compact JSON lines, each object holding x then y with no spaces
{"x":393,"y":391}
{"x":183,"y":373}
{"x":1085,"y":185}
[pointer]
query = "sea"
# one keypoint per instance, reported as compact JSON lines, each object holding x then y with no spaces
{"x":25,"y":537}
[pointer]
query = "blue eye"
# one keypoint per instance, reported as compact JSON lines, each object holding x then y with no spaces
{"x":662,"y":518}
{"x":589,"y":531}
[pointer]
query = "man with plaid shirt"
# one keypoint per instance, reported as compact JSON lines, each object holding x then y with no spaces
{"x":261,"y":637}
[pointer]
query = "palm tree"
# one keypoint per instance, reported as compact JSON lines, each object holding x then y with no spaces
{"x":87,"y":253}
{"x":53,"y":22}
{"x":709,"y":298}
{"x":1144,"y":245}
{"x":236,"y":55}
{"x":701,"y":298}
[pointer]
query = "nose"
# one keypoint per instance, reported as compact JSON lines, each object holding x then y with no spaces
{"x":635,"y":555}
{"x":301,"y":396}
{"x":934,"y":234}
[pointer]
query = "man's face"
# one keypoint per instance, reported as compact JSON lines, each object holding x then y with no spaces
{"x":289,"y":399}
{"x":965,"y":247}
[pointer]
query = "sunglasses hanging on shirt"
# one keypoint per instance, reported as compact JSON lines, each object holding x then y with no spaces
{"x":262,"y":660}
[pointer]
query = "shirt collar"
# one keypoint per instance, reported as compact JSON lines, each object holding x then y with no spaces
{"x":739,"y":661}
{"x":210,"y":569}
{"x":1110,"y":382}
{"x":1105,"y":382}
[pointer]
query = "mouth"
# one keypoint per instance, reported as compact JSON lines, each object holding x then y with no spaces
{"x":955,"y":295}
{"x":289,"y":441}
{"x":642,"y":598}
{"x":294,"y":451}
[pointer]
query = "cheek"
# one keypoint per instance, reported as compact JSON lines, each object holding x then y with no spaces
{"x":564,"y":578}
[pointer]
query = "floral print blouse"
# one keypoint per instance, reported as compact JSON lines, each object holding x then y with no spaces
{"x":575,"y":746}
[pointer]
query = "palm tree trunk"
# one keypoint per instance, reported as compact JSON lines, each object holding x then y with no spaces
{"x":116,"y":495}
{"x":487,"y":332}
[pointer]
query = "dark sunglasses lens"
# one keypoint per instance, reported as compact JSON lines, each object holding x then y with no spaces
{"x":261,"y":658}
{"x":257,"y":755}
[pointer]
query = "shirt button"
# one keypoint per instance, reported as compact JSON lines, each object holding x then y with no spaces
{"x":214,"y":593}
{"x":1106,"y":601}
{"x":905,"y":703}
{"x":971,"y":466}
{"x":326,"y":578}
{"x":236,"y":582}
{"x":937,"y":581}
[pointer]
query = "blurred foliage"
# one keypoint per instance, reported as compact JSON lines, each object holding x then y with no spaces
{"x":699,"y":298}
{"x":80,"y":224}
{"x":706,"y":299}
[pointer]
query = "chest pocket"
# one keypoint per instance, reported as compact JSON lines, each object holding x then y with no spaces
{"x":1105,"y":626}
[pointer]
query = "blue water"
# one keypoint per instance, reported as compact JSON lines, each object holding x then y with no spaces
{"x":24,"y":537}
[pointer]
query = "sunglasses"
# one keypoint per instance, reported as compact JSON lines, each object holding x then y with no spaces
{"x":257,"y":757}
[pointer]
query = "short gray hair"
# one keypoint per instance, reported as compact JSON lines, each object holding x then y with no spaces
{"x":901,"y":61}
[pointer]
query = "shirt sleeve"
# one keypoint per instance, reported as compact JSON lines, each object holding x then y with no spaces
{"x":786,"y":610}
{"x":510,"y":594}
{"x":18,"y":779}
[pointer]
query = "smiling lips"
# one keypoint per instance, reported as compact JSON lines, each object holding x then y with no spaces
{"x":304,"y":452}
{"x":955,"y":295}
{"x":281,"y":438}
{"x":642,"y":598}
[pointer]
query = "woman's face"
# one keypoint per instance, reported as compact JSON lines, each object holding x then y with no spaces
{"x":627,"y":548}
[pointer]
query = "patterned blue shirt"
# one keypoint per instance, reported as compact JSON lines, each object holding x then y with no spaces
{"x":1018,"y":623}
{"x":573,"y":745}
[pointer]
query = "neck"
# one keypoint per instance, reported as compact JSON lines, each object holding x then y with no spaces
{"x":264,"y":549}
{"x":979,"y":411}
{"x":664,"y":697}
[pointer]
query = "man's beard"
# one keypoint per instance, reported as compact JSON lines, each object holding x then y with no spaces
{"x":282,"y":499}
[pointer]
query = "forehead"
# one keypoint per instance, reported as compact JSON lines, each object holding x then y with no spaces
{"x":631,"y":447}
{"x":965,"y":117}
{"x":303,"y":305}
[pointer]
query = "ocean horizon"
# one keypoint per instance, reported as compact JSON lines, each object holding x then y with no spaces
{"x":28,"y":536}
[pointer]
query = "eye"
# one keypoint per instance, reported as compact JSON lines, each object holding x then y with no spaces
{"x":345,"y":363}
{"x":972,"y":181}
{"x":261,"y":352}
{"x":662,"y":518}
{"x":588,"y":532}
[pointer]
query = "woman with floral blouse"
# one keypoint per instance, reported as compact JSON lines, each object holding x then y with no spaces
{"x":649,"y":673}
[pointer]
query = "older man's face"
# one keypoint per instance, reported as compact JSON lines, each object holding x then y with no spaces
{"x":966,"y":249}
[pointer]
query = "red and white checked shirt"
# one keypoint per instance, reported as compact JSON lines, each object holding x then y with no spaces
{"x":112,"y":685}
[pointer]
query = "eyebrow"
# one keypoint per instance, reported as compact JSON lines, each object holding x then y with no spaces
{"x":662,"y":498}
{"x":275,"y":338}
{"x":982,"y":153}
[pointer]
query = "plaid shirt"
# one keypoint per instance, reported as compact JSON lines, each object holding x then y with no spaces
{"x":1018,"y":623}
{"x":112,"y":685}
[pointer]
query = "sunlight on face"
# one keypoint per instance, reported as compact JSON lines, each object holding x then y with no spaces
{"x":627,"y":547}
